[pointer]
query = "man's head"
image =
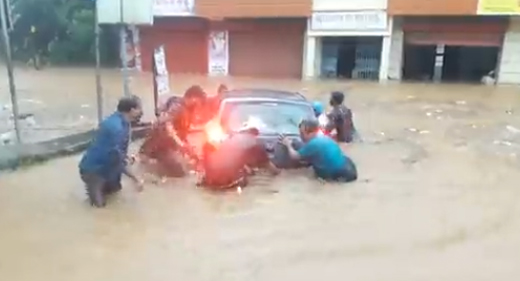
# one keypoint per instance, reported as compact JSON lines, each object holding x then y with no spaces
{"x":222,"y":89}
{"x":131,"y":108}
{"x":309,"y":128}
{"x":194,"y":97}
{"x":336,"y":98}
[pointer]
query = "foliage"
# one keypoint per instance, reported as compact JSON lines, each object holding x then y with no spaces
{"x":61,"y":30}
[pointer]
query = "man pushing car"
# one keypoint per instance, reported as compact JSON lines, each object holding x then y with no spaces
{"x":235,"y":159}
{"x":322,"y":153}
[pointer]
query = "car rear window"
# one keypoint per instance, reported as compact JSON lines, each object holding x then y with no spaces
{"x":268,"y":117}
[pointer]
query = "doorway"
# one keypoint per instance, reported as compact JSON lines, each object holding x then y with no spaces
{"x":419,"y":62}
{"x":351,"y":57}
{"x":469,"y":63}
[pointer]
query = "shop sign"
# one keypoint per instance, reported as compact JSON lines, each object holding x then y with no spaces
{"x":218,"y":53}
{"x":498,"y":7}
{"x":349,"y":21}
{"x":168,"y":8}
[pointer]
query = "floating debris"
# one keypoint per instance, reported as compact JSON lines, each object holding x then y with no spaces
{"x":501,"y":142}
{"x":461,"y":102}
{"x":512,"y":129}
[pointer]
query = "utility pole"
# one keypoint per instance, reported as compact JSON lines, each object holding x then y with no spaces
{"x":124,"y":61}
{"x":5,"y":21}
{"x":99,"y":87}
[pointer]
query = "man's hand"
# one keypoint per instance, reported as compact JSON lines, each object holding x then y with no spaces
{"x":139,"y":185}
{"x":131,"y":159}
{"x":285,"y":140}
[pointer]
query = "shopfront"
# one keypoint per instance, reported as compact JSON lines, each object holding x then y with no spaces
{"x":348,"y":44}
{"x":185,"y":41}
{"x":509,"y":70}
{"x":266,"y":47}
{"x":244,"y":48}
{"x":459,"y":49}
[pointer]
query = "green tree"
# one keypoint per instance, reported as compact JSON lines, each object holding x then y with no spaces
{"x":60,"y":30}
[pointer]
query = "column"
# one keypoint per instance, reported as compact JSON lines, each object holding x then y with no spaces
{"x":384,"y":62}
{"x":439,"y":63}
{"x":309,"y":57}
{"x":508,"y":70}
{"x":396,"y":50}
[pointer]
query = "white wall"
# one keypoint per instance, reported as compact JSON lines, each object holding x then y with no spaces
{"x":395,"y":58}
{"x":311,"y":57}
{"x":509,"y":69}
{"x":345,"y":5}
{"x":386,"y":48}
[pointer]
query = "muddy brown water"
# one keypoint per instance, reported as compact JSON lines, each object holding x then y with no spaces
{"x":437,"y":198}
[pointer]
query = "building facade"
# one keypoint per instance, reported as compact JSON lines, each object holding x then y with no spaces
{"x":460,"y":41}
{"x":257,"y":38}
{"x":348,"y":39}
{"x":441,"y":40}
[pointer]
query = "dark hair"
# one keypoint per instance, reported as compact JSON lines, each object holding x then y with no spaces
{"x":336,"y":98}
{"x":126,"y":104}
{"x":310,"y":125}
{"x":195,"y":92}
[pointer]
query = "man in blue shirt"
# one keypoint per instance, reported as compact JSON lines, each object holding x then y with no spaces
{"x":323,"y":153}
{"x":106,"y":158}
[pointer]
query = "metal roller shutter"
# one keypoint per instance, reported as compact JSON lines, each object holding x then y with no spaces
{"x":185,"y":46}
{"x":267,"y":49}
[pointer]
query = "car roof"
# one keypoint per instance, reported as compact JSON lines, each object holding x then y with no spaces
{"x":263,"y":93}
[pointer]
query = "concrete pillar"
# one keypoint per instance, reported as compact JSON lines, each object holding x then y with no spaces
{"x":396,"y":50}
{"x":439,"y":63}
{"x":317,"y":57}
{"x":385,"y":59}
{"x":509,"y":70}
{"x":309,"y":57}
{"x":384,"y":62}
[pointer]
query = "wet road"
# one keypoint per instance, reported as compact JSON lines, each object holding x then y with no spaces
{"x":437,"y":200}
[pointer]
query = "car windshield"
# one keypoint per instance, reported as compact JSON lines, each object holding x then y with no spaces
{"x":268,"y":117}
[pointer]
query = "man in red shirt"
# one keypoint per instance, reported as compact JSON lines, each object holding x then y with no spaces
{"x":168,"y":143}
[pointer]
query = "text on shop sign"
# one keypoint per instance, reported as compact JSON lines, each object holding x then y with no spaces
{"x":356,"y":21}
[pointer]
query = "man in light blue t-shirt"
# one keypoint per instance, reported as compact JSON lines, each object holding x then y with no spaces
{"x":323,"y":153}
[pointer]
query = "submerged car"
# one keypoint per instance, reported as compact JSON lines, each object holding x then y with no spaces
{"x":271,"y":112}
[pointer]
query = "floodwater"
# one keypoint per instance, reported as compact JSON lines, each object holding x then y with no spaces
{"x":437,"y":199}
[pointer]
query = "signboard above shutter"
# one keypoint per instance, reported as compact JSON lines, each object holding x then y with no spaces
{"x":253,"y":8}
{"x":349,"y":21}
{"x":173,"y":8}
